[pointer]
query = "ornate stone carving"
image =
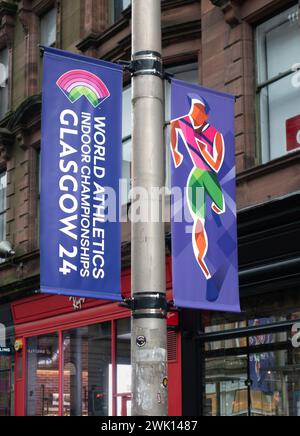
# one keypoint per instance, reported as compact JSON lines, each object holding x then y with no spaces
{"x":7,"y":23}
{"x":6,"y":143}
{"x":25,"y":15}
{"x":230,"y":9}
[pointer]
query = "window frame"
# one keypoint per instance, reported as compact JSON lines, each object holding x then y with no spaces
{"x":3,"y":174}
{"x":263,"y":146}
{"x":7,"y":83}
{"x":114,"y":15}
{"x":52,"y":9}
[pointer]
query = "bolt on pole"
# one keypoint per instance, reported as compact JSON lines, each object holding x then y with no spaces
{"x":149,"y":307}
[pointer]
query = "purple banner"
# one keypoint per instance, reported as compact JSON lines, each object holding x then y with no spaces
{"x":204,"y":230}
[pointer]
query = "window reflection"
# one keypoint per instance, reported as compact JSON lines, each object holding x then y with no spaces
{"x":87,"y":359}
{"x":42,"y":376}
{"x":123,"y":368}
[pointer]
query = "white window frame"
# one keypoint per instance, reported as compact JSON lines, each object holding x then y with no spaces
{"x":3,"y":176}
{"x":4,"y":76}
{"x":49,"y":15}
{"x":263,"y":81}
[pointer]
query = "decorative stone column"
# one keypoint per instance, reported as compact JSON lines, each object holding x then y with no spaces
{"x":94,"y":21}
{"x":230,"y":9}
{"x":30,"y":23}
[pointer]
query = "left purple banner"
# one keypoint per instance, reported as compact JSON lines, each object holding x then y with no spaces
{"x":80,"y":171}
{"x":204,"y":228}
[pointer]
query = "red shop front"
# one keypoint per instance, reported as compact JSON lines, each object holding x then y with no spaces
{"x":74,"y":357}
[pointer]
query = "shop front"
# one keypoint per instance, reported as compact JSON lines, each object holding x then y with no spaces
{"x":252,"y":368}
{"x":74,"y":354}
{"x":74,"y":357}
{"x":248,"y":364}
{"x":6,"y":362}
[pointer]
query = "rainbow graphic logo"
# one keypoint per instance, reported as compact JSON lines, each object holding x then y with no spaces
{"x":78,"y":83}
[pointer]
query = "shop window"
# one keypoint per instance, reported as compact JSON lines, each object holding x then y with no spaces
{"x":278,"y":52}
{"x":123,"y":368}
{"x":3,"y":82}
{"x":116,"y":9}
{"x":87,"y":363}
{"x":48,"y":28}
{"x":6,"y":382}
{"x":43,"y":376}
{"x":3,"y":184}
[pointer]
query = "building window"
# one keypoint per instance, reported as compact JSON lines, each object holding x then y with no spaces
{"x":127,"y":146}
{"x":3,"y":82}
{"x":48,"y":28}
{"x":3,"y":183}
{"x":278,"y":51}
{"x":116,"y":9}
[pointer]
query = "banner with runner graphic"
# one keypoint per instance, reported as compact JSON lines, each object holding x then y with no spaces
{"x":204,"y":229}
{"x":80,"y":172}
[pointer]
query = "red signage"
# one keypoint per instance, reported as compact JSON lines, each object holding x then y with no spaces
{"x":173,"y":319}
{"x":293,"y":133}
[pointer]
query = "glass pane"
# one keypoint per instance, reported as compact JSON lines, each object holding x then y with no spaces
{"x":42,"y":376}
{"x":87,"y":359}
{"x":284,"y":106}
{"x":3,"y":185}
{"x":226,"y":391}
{"x":3,"y":82}
{"x":266,"y":338}
{"x":283,"y":38}
{"x":48,"y":28}
{"x":188,"y":73}
{"x":118,"y":6}
{"x":126,"y":171}
{"x":2,"y":228}
{"x":123,"y":368}
{"x":279,"y":102}
{"x":6,"y":386}
{"x":276,"y":383}
{"x":126,"y":117}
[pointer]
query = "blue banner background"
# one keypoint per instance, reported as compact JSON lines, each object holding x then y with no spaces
{"x":191,"y":287}
{"x":52,"y":239}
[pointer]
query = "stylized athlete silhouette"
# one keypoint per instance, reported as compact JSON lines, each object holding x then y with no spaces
{"x":207,"y":151}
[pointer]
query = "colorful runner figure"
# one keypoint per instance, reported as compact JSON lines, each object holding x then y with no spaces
{"x":207,"y":151}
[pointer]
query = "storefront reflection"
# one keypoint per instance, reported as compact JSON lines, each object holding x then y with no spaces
{"x":42,"y":376}
{"x":261,"y":383}
{"x":87,"y":359}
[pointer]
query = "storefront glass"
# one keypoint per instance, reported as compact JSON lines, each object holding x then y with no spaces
{"x":6,"y":386}
{"x":87,"y":362}
{"x":7,"y":361}
{"x":43,"y":376}
{"x":123,"y":368}
{"x":96,"y":375}
{"x":255,"y":375}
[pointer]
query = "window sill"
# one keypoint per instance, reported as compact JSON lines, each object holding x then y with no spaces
{"x":269,"y":167}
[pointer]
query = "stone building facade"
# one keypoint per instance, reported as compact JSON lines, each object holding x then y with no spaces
{"x":227,"y":45}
